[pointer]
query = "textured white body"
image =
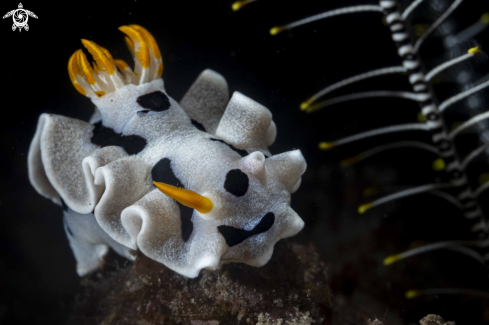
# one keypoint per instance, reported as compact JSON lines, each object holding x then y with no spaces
{"x":115,"y":189}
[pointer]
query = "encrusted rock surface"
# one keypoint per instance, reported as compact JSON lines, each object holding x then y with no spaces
{"x":291,"y":289}
{"x":434,"y":320}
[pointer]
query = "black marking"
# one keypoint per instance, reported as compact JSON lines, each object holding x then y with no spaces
{"x":237,"y":182}
{"x":104,"y":137}
{"x":187,"y":224}
{"x":241,"y":152}
{"x":162,"y":172}
{"x":156,"y":101}
{"x":198,"y":125}
{"x":234,"y":236}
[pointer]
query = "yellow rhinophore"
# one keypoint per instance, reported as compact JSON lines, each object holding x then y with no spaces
{"x":86,"y":68}
{"x":140,"y":46}
{"x":100,"y":56}
{"x":186,"y":197}
{"x":155,"y":54}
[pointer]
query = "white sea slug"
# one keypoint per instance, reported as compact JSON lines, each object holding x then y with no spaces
{"x":191,"y":185}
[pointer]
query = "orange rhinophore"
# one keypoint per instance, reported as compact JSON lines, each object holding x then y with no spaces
{"x":107,"y":74}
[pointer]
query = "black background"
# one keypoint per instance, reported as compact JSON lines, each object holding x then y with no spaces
{"x":38,"y":282}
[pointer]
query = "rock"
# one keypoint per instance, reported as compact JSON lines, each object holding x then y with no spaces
{"x":291,"y":289}
{"x":434,"y":320}
{"x":375,"y":321}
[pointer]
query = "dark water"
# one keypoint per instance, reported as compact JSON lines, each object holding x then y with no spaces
{"x":37,"y":270}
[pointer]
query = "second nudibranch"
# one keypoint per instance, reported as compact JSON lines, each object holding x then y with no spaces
{"x":191,"y":185}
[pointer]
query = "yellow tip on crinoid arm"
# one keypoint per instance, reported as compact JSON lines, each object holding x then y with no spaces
{"x":474,"y":50}
{"x":237,"y":5}
{"x":422,"y":118}
{"x":364,"y":208}
{"x":326,"y":145}
{"x":485,"y":18}
{"x":305,"y":105}
{"x":410,"y":294}
{"x":438,"y":165}
{"x":276,"y":30}
{"x":240,"y":4}
{"x":349,"y":161}
{"x":186,"y":197}
{"x":391,"y":259}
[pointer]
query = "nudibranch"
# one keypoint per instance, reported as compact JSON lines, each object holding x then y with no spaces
{"x":191,"y":185}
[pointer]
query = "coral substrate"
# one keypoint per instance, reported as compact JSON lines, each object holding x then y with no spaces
{"x":291,"y":289}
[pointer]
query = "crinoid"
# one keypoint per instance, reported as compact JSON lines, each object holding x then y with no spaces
{"x":440,"y":70}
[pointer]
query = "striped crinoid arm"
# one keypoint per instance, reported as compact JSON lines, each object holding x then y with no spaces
{"x":451,"y":119}
{"x":431,"y":116}
{"x":106,"y":74}
{"x":431,"y":110}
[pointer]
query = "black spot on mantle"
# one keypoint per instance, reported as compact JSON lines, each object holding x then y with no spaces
{"x":156,"y":101}
{"x":198,"y":125}
{"x":236,"y":182}
{"x":104,"y":137}
{"x":162,"y":172}
{"x":241,"y":152}
{"x":234,"y":236}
